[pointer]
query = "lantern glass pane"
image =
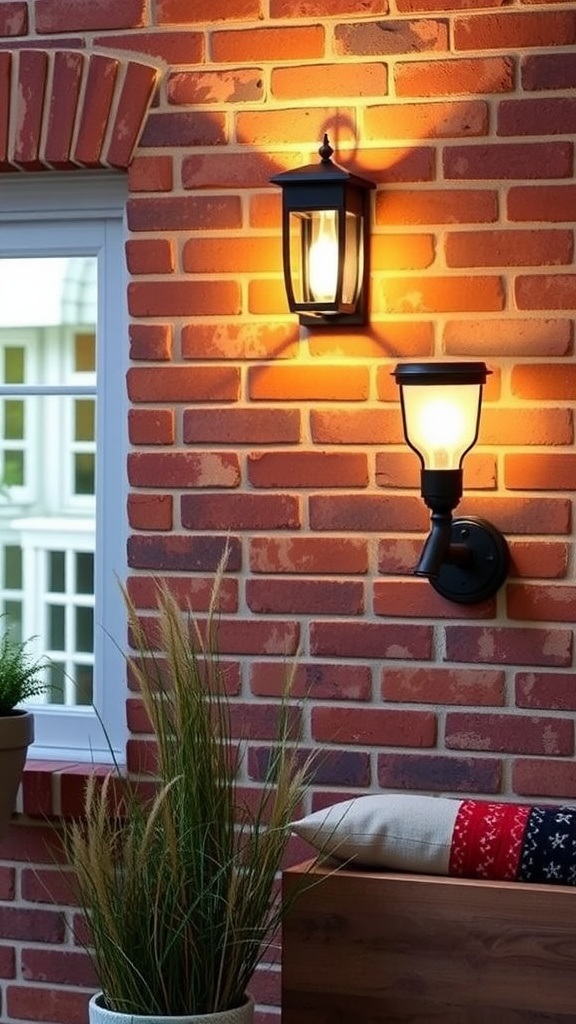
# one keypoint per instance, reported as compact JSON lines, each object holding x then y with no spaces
{"x":353,"y":268}
{"x":441,"y":421}
{"x":314,"y":256}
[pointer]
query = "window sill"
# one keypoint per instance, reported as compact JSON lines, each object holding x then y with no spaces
{"x":55,"y":789}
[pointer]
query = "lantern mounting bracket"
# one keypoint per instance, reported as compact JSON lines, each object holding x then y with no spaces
{"x":475,"y":562}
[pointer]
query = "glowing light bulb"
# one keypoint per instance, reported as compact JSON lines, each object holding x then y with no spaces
{"x":323,"y":257}
{"x":442,"y":423}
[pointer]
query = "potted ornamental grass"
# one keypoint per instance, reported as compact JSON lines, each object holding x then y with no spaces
{"x":21,"y":678}
{"x":180,"y":886}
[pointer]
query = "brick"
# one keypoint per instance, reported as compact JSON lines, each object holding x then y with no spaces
{"x":520,"y":516}
{"x":241,"y":426}
{"x":546,"y":291}
{"x":151,"y":174}
{"x":7,"y":962}
{"x":415,"y":598}
{"x":454,"y":77}
{"x":32,"y":843}
{"x":374,"y":727}
{"x":548,"y":71}
{"x":58,"y":967}
{"x":508,"y":160}
{"x":93,"y":117}
{"x":275,"y":637}
{"x":544,"y":382}
{"x":239,"y":255}
{"x":267,"y":297}
{"x":442,"y":206}
{"x":433,"y":685}
{"x":426,"y":120}
{"x":183,"y":384}
{"x":150,"y":255}
{"x":541,"y":777}
{"x":31,"y":85}
{"x":184,"y":298}
{"x":509,"y":645}
{"x":386,"y":37}
{"x":334,"y":768}
{"x":307,"y":469}
{"x":440,"y":773}
{"x":442,"y":294}
{"x":503,"y":248}
{"x":356,"y":426}
{"x":554,"y":471}
{"x":7,"y":883}
{"x":398,"y":556}
{"x":401,"y":252}
{"x":86,"y":15}
{"x":546,"y":203}
{"x":63,"y":102}
{"x":407,"y":6}
{"x":324,"y":8}
{"x":308,"y":555}
{"x":47,"y":1005}
{"x":5,"y":110}
{"x":184,"y":213}
{"x":551,"y":691}
{"x":32,"y":925}
{"x":286,"y":126}
{"x":550,"y":116}
{"x":150,"y":511}
{"x":137,"y":89}
{"x":512,"y":734}
{"x":515,"y":29}
{"x":182,"y":129}
{"x":368,"y":640}
{"x":301,"y":82}
{"x":238,"y":85}
{"x":319,"y":383}
{"x":233,"y":168}
{"x":305,"y":597}
{"x":284,"y":43}
{"x":240,"y":512}
{"x":252,"y":721}
{"x":514,"y":426}
{"x":244,"y":341}
{"x":515,"y":337}
{"x":187,"y":12}
{"x":402,"y":469}
{"x":151,"y":341}
{"x":183,"y":469}
{"x":541,"y":602}
{"x":194,"y":593}
{"x":366,"y":513}
{"x":539,"y":559}
{"x":178,"y":553}
{"x":151,"y":426}
{"x":13,"y":18}
{"x":172,"y":47}
{"x":411,"y":337}
{"x":314,"y":681}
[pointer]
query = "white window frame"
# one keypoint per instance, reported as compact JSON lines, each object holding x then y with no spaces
{"x":68,"y":215}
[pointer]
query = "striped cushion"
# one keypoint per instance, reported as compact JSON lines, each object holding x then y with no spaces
{"x":443,"y":836}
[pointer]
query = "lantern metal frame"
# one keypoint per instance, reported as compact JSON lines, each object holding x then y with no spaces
{"x":466,"y":559}
{"x":325,"y":186}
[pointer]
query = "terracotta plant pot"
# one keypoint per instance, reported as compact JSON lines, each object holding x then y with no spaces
{"x":16,"y":734}
{"x":99,"y":1015}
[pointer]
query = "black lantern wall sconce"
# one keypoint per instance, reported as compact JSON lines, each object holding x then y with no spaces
{"x":465,"y":559}
{"x":325,"y":238}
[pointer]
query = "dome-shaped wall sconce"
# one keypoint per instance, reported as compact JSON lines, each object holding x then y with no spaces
{"x":465,"y":559}
{"x":325,"y":237}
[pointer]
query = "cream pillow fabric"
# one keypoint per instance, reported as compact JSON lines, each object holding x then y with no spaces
{"x":402,"y":832}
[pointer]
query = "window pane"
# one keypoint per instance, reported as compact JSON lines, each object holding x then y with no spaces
{"x":12,"y":567}
{"x":56,"y":627}
{"x":85,"y":353}
{"x":85,"y":420}
{"x":56,"y":679}
{"x":84,"y":629}
{"x":13,"y":419}
{"x":83,"y":677}
{"x":14,"y":365}
{"x":13,"y":469}
{"x":84,"y":473}
{"x":85,"y":572}
{"x":56,"y":572}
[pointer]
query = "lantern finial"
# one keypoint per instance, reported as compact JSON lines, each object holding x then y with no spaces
{"x":325,"y":152}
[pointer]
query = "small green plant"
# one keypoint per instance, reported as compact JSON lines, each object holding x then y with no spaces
{"x":181,"y":890}
{"x":20,"y":673}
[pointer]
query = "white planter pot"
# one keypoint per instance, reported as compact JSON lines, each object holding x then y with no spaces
{"x":99,"y":1015}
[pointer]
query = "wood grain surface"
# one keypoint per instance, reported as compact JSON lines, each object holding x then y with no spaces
{"x":365,"y":947}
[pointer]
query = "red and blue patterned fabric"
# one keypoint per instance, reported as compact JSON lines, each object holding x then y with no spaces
{"x":514,"y":842}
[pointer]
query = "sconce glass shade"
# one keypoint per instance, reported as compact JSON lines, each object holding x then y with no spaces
{"x":325,"y":214}
{"x":441,"y":404}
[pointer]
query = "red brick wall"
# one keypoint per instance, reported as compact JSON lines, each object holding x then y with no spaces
{"x":464,"y":114}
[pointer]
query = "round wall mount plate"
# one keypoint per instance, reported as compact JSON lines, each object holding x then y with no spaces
{"x":482,"y":573}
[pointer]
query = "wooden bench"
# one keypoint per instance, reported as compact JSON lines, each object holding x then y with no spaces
{"x":363,"y":947}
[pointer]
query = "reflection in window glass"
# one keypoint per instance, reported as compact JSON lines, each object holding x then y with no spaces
{"x":47,"y":466}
